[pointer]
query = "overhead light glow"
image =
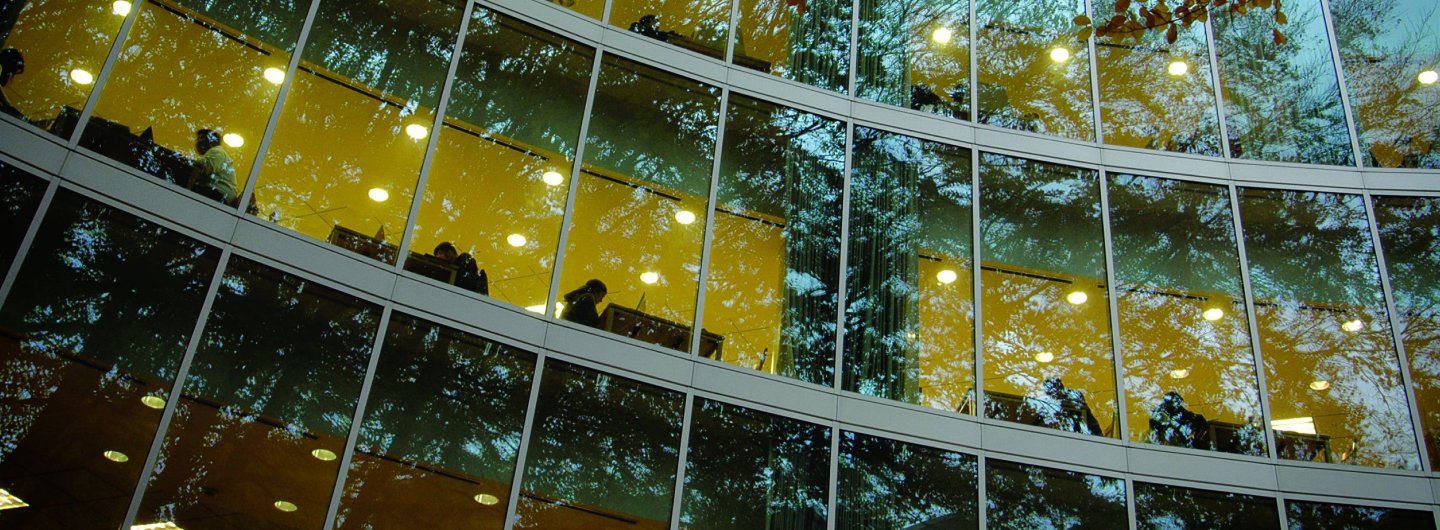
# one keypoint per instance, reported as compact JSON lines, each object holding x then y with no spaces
{"x":553,"y":178}
{"x":1060,"y":54}
{"x":1319,"y":385}
{"x":167,"y":525}
{"x":1179,"y":373}
{"x":942,"y":35}
{"x":1353,"y":325}
{"x":379,"y":194}
{"x":947,"y":276}
{"x":286,"y":506}
{"x":116,"y":456}
{"x":274,"y":75}
{"x":1178,"y":68}
{"x":324,"y":455}
{"x":10,"y":502}
{"x":233,"y":140}
{"x":1304,"y":425}
{"x":650,"y":277}
{"x":1077,"y":297}
{"x":516,"y":240}
{"x":120,"y":7}
{"x":82,"y":77}
{"x":1428,"y":77}
{"x":416,"y":131}
{"x":154,"y":402}
{"x":1213,"y":314}
{"x":487,"y":499}
{"x":1044,"y":356}
{"x":685,"y":217}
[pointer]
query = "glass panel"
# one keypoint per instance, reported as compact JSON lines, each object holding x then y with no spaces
{"x":1157,"y":95}
{"x":1034,"y":75}
{"x":773,"y":291}
{"x":496,"y":189}
{"x":1330,"y":361}
{"x":1282,"y":102}
{"x":591,"y":8}
{"x":603,"y":452}
{"x":1023,"y":497}
{"x":891,"y":485}
{"x":1411,"y":242}
{"x":1308,"y":515}
{"x":648,"y":159}
{"x":1161,"y":507}
{"x":94,"y":330}
{"x":20,"y":195}
{"x":347,"y":150}
{"x":916,"y":54}
{"x":808,"y":41}
{"x":1391,"y":52}
{"x":700,"y":26}
{"x":268,"y":401}
{"x":58,"y":48}
{"x":747,"y":469}
{"x":441,"y":431}
{"x":190,"y":96}
{"x":1047,"y":327}
{"x":1190,"y":377}
{"x":910,"y":319}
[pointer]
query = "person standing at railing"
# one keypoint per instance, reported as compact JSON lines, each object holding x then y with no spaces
{"x":214,"y":174}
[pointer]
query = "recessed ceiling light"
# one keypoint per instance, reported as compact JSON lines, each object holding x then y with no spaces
{"x":1044,"y":356}
{"x":416,"y":131}
{"x":685,"y":217}
{"x":167,"y":525}
{"x":650,"y":277}
{"x":1353,"y":325}
{"x":1304,"y":424}
{"x":1077,"y":297}
{"x":1320,"y":384}
{"x":233,"y":140}
{"x":154,"y":402}
{"x":1060,"y":54}
{"x":947,"y":276}
{"x":120,"y":7}
{"x":487,"y":499}
{"x":378,"y":194}
{"x":81,"y":76}
{"x":286,"y":506}
{"x":516,"y":240}
{"x":274,"y":75}
{"x":1213,"y":314}
{"x":10,"y":502}
{"x":941,"y":35}
{"x":1178,"y":68}
{"x":116,"y":456}
{"x":1428,"y":77}
{"x":553,"y":178}
{"x":323,"y":455}
{"x":1179,"y":373}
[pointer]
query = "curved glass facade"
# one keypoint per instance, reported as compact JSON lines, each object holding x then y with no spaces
{"x":821,"y":264}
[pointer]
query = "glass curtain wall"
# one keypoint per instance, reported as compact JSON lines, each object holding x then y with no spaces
{"x":60,"y":46}
{"x":1025,"y":497}
{"x":1034,"y":74}
{"x":893,"y":485}
{"x":20,"y":195}
{"x":1390,"y":53}
{"x":1162,"y":507}
{"x":699,"y":26}
{"x":1411,"y":242}
{"x":1315,"y":515}
{"x":803,"y":40}
{"x":915,"y":54}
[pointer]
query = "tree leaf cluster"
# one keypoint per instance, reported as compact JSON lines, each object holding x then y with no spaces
{"x":1132,"y":20}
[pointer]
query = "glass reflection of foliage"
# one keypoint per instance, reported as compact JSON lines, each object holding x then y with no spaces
{"x":64,"y":43}
{"x":1330,"y":361}
{"x":1384,"y":46}
{"x":603,"y":452}
{"x":773,"y":286}
{"x":1282,"y":101}
{"x":1026,"y":497}
{"x":1317,"y":515}
{"x":701,"y":26}
{"x":98,"y":318}
{"x":274,"y":381}
{"x":892,"y":485}
{"x":1161,"y":507}
{"x":1183,"y":324}
{"x":910,"y":316}
{"x":442,"y":427}
{"x":1411,"y":243}
{"x":752,"y":470}
{"x":1043,"y":278}
{"x":648,"y":156}
{"x":513,"y":117}
{"x":347,"y":149}
{"x":1156,"y":95}
{"x":804,"y":40}
{"x":190,"y":65}
{"x":915,"y":54}
{"x":20,"y":195}
{"x":1033,"y":73}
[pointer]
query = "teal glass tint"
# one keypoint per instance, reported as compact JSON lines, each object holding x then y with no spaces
{"x":910,"y":319}
{"x":1317,"y":515}
{"x":915,"y":54}
{"x":1034,"y":75}
{"x":94,"y":331}
{"x":603,"y":452}
{"x":892,"y":485}
{"x":20,"y":194}
{"x":441,"y":430}
{"x":1410,"y":236}
{"x":271,"y":391}
{"x":1024,"y":497}
{"x":772,"y":292}
{"x":804,"y":40}
{"x":1390,"y":53}
{"x":748,"y":469}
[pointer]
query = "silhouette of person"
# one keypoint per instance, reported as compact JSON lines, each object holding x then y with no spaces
{"x":1173,"y":424}
{"x":581,"y":304}
{"x":12,"y":63}
{"x":468,"y":275}
{"x":214,"y":175}
{"x":1074,"y":414}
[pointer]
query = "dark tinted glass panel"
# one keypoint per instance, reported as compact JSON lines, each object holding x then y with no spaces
{"x":1391,"y":52}
{"x":603,"y":452}
{"x":808,"y":41}
{"x":747,"y":469}
{"x":442,"y":427}
{"x":20,"y":195}
{"x":1034,"y":75}
{"x":1316,"y":515}
{"x":892,"y":485}
{"x":269,"y":396}
{"x":1024,"y":497}
{"x":1410,"y":236}
{"x":62,"y":45}
{"x":93,"y":333}
{"x":1160,"y":507}
{"x":915,"y":54}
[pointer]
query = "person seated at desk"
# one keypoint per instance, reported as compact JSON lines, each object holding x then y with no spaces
{"x":468,"y":275}
{"x":581,"y":305}
{"x":12,"y":63}
{"x":1173,"y":424}
{"x":1074,"y":414}
{"x":214,"y":174}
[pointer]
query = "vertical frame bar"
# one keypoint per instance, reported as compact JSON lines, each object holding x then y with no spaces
{"x":1211,"y":45}
{"x":1254,"y":323}
{"x":116,"y":47}
{"x":1130,"y":507}
{"x":679,"y":494}
{"x":981,"y":477}
{"x":573,"y":188}
{"x":1117,"y":349}
{"x":852,"y":76}
{"x":513,"y":503}
{"x":1351,"y":125}
{"x":977,"y":255}
{"x":1099,"y":121}
{"x":708,"y":237}
{"x":358,"y":418}
{"x":841,"y":291}
{"x":831,"y":517}
{"x":51,"y":186}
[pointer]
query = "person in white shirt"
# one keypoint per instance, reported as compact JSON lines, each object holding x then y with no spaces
{"x":214,"y":175}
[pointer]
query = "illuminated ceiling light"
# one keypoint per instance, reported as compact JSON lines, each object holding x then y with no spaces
{"x":650,"y":277}
{"x":1320,"y":384}
{"x":286,"y":506}
{"x":685,"y":217}
{"x":233,"y":140}
{"x":1077,"y":297}
{"x":378,"y":194}
{"x":553,"y":178}
{"x":942,"y":35}
{"x":416,"y":131}
{"x":516,"y":240}
{"x":1178,"y":68}
{"x":1213,"y":314}
{"x":487,"y":499}
{"x":116,"y":456}
{"x":536,"y":309}
{"x":324,"y":455}
{"x":1060,"y":54}
{"x":167,"y":525}
{"x":274,"y":75}
{"x":1044,"y":356}
{"x":1305,"y":425}
{"x":82,"y":77}
{"x":10,"y":502}
{"x":1179,"y":373}
{"x":154,"y":402}
{"x":1428,"y":77}
{"x":1353,"y":325}
{"x":120,"y":7}
{"x":947,"y":276}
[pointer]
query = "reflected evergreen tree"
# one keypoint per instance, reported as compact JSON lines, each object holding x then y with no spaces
{"x":892,"y":485}
{"x":1160,"y":507}
{"x":1024,"y":497}
{"x":819,"y":43}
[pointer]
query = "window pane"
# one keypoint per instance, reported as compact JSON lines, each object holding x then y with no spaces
{"x":442,"y":428}
{"x":270,"y":394}
{"x":347,"y":150}
{"x":808,"y":41}
{"x":1047,"y":330}
{"x":747,"y":469}
{"x":1330,"y":362}
{"x":891,"y":485}
{"x":190,"y":66}
{"x":1161,"y":507}
{"x":910,"y":320}
{"x":1308,"y":515}
{"x":603,"y":452}
{"x":95,"y":328}
{"x":20,"y":195}
{"x":1387,"y":50}
{"x":1156,"y":95}
{"x":916,"y":54}
{"x":648,"y":157}
{"x":773,"y":287}
{"x":1412,"y":254}
{"x":1190,"y":376}
{"x":699,"y":26}
{"x":1024,"y":497}
{"x":62,"y":44}
{"x":591,"y":8}
{"x":502,"y":163}
{"x":1282,"y":102}
{"x":1034,"y":74}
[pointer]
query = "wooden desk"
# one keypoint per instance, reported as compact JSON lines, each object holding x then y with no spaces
{"x":362,"y":244}
{"x":655,"y":330}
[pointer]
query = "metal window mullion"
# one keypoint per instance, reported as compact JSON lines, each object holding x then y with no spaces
{"x":175,"y":394}
{"x":574,"y":187}
{"x":974,"y":65}
{"x":982,"y":510}
{"x":605,"y":11}
{"x":435,"y":130}
{"x":734,"y":28}
{"x":526,"y":431}
{"x":831,"y":517}
{"x":1254,"y":322}
{"x":708,"y":238}
{"x":358,"y":417}
{"x":1130,"y":508}
{"x":1215,"y":87}
{"x":1395,"y":332}
{"x":1112,"y":300}
{"x":1098,"y":122}
{"x":679,"y":494}
{"x":1280,"y":508}
{"x":93,"y":98}
{"x":1334,"y":44}
{"x":977,"y":291}
{"x":841,"y":291}
{"x":28,"y":239}
{"x":854,"y":56}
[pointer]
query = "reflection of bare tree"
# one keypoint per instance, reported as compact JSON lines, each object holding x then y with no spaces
{"x":1384,"y":44}
{"x":1412,"y":254}
{"x":1020,"y":496}
{"x":1021,"y":86}
{"x":899,"y":61}
{"x":890,"y":485}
